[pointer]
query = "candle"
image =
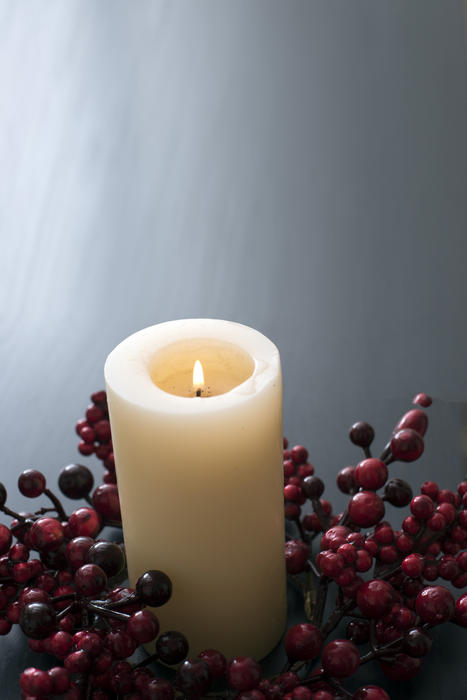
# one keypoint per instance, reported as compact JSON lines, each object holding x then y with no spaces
{"x":196,"y":414}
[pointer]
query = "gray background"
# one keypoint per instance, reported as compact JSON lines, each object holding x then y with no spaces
{"x":296,"y":166}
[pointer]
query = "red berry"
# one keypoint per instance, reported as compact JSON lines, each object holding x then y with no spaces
{"x":243,"y":673}
{"x":85,"y":448}
{"x":364,"y":561}
{"x":85,"y":522}
{"x":305,"y":470}
{"x":90,"y":580}
{"x":34,"y":682}
{"x":99,"y":397}
{"x":375,"y":598}
{"x":296,"y":556}
{"x":422,"y":400}
{"x":61,"y":679}
{"x":289,"y":467}
{"x":448,"y":511}
{"x":460,"y":615}
{"x":370,"y":692}
{"x":413,"y":565}
{"x":193,"y":678}
{"x":430,"y":488}
{"x":366,"y":508}
{"x":303,"y":642}
{"x":47,"y":534}
{"x":407,"y":445}
{"x":340,"y":658}
{"x":105,"y":501}
{"x":102,"y":429}
{"x":120,"y":644}
{"x":215,"y":660}
{"x":59,"y":644}
{"x":415,"y":419}
{"x":78,"y":662}
{"x":371,"y":474}
{"x":90,"y":642}
{"x":330,"y":563}
{"x":94,"y":414}
{"x":410,"y":525}
{"x":435,"y":604}
{"x":299,"y":454}
{"x":334,"y":537}
{"x":402,"y":667}
{"x":5,"y":539}
{"x":143,"y":626}
{"x":292,"y":493}
{"x":31,"y":483}
{"x":422,"y":507}
{"x":77,"y":551}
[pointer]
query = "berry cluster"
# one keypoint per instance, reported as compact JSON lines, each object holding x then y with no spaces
{"x":67,"y":599}
{"x":96,"y":438}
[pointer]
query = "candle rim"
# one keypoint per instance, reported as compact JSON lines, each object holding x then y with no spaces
{"x":143,"y":393}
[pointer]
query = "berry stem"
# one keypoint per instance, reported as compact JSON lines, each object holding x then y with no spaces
{"x":12,"y":514}
{"x":57,"y":504}
{"x":320,"y":600}
{"x":108,"y":613}
{"x":379,"y":651}
{"x":301,"y":530}
{"x":336,"y":617}
{"x":386,"y":452}
{"x":367,"y":452}
{"x":339,"y":687}
{"x":324,"y":520}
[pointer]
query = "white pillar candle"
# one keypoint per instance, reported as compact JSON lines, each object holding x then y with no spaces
{"x":200,"y":477}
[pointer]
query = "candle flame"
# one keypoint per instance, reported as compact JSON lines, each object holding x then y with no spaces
{"x":198,"y":375}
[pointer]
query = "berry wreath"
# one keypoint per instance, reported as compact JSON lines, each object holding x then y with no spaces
{"x":67,"y":601}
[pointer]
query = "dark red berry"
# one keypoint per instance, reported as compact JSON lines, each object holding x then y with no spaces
{"x":407,"y":445}
{"x":296,"y":556}
{"x":75,"y":481}
{"x":358,"y":631}
{"x":120,"y":644}
{"x":47,"y":534}
{"x":171,"y":647}
{"x":346,"y":480}
{"x":61,"y":679}
{"x":371,"y":474}
{"x":313,"y":487}
{"x":460,"y":614}
{"x":143,"y":626}
{"x":77,"y":551}
{"x":78,"y":662}
{"x":398,"y":492}
{"x":243,"y":673}
{"x":435,"y":604}
{"x":303,"y":642}
{"x":38,"y":620}
{"x":366,"y":508}
{"x":193,"y":678}
{"x":299,"y":454}
{"x":402,"y":667}
{"x":215,"y":660}
{"x":105,"y":501}
{"x":370,"y":692}
{"x":422,"y":400}
{"x":85,"y":522}
{"x":31,"y":483}
{"x":417,"y":643}
{"x":36,"y":683}
{"x":154,"y":588}
{"x":422,"y":507}
{"x":375,"y":598}
{"x":416,"y":419}
{"x":340,"y":658}
{"x":90,"y":580}
{"x":413,"y":565}
{"x":108,"y":555}
{"x":362,"y":434}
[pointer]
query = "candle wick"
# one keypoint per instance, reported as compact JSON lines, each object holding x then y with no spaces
{"x":198,"y":392}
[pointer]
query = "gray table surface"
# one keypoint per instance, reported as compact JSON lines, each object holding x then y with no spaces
{"x":299,"y":167}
